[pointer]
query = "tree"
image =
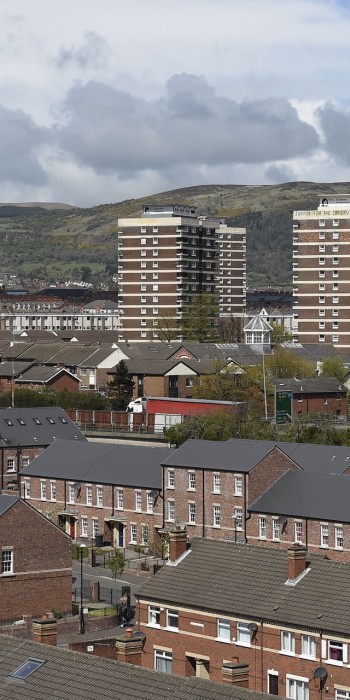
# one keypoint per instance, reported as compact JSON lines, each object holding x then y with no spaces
{"x":285,"y":364}
{"x":230,"y":329}
{"x":279,"y":334}
{"x":333,"y":367}
{"x":221,"y":385}
{"x":219,"y":425}
{"x":116,"y":562}
{"x":85,"y":273}
{"x":200,"y":319}
{"x":120,"y":388}
{"x":168,"y":328}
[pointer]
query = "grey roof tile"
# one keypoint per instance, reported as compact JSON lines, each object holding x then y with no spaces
{"x":213,"y":454}
{"x":20,"y":427}
{"x":77,"y":676}
{"x":248,"y":582}
{"x":6,"y":501}
{"x":124,"y":465}
{"x":307,"y":495}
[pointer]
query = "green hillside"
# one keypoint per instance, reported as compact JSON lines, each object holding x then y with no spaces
{"x":41,"y":242}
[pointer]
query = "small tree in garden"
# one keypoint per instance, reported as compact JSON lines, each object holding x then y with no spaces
{"x":116,"y":562}
{"x":121,"y":387}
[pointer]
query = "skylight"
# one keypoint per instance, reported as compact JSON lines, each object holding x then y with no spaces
{"x":27,"y":668}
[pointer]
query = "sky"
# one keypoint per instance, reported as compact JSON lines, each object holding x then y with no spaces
{"x":106,"y":100}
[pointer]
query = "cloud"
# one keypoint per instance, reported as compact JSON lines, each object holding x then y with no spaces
{"x":92,"y":52}
{"x":111,"y":130}
{"x":20,"y":138}
{"x":335,"y":123}
{"x":280,"y":173}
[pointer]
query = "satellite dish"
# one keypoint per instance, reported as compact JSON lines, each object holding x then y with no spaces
{"x":180,"y":523}
{"x":252,"y":627}
{"x":320,"y":673}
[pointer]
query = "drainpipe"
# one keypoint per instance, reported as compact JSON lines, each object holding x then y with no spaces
{"x":65,"y":494}
{"x":163,"y":490}
{"x":112,"y":487}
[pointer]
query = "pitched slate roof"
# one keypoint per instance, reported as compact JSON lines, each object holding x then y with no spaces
{"x":314,"y":385}
{"x":16,"y":368}
{"x":42,"y":374}
{"x":123,"y":465}
{"x":76,"y":676}
{"x":6,"y":501}
{"x":307,"y":495}
{"x":213,"y":454}
{"x":20,"y":427}
{"x":324,"y":459}
{"x":248,"y":582}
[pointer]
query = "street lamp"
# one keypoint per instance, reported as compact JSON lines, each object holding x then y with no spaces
{"x":82,"y":621}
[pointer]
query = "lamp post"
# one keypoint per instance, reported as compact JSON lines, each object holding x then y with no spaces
{"x":82,"y":621}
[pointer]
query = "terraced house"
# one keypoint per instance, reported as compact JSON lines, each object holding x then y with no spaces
{"x":274,"y":620}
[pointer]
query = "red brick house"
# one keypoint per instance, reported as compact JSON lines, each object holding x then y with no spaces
{"x":57,"y":378}
{"x":222,"y":608}
{"x":25,"y":433}
{"x":36,"y":562}
{"x":317,"y":395}
{"x":104,"y":489}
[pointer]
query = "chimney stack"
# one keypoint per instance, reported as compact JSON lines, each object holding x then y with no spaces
{"x":45,"y":630}
{"x":296,"y":561}
{"x":177,"y":542}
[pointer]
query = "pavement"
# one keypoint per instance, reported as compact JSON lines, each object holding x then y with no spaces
{"x":106,"y":578}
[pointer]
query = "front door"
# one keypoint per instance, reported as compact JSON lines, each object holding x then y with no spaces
{"x":120,"y":535}
{"x":273,"y":684}
{"x":72,"y":528}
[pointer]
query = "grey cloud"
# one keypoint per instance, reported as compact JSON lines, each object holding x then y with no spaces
{"x":110,"y":130}
{"x":335,"y":124}
{"x":19,"y":139}
{"x":93,"y":51}
{"x":280,"y":173}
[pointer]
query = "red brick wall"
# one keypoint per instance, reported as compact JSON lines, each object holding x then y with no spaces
{"x":80,"y":509}
{"x":267,"y":472}
{"x":19,"y":455}
{"x":311,"y":536}
{"x":197,"y":634}
{"x":316,"y":403}
{"x":42,"y":578}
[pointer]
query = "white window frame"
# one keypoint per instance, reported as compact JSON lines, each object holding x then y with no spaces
{"x":276,"y":530}
{"x":216,"y":483}
{"x":298,"y":531}
{"x":238,"y":516}
{"x":191,"y":513}
{"x":99,"y":496}
{"x":172,"y":619}
{"x":7,"y":561}
{"x":243,"y":634}
{"x":171,"y":510}
{"x":324,"y":533}
{"x":150,"y":503}
{"x":262,"y":527}
{"x":295,"y":694}
{"x":133,"y":533}
{"x":53,"y":490}
{"x":171,"y":479}
{"x":216,"y":516}
{"x":191,"y":481}
{"x":120,"y":499}
{"x":71,"y":494}
{"x":288,"y":642}
{"x":84,"y":526}
{"x":43,"y":489}
{"x":95,"y":527}
{"x":11,"y":465}
{"x":238,"y":485}
{"x":163,"y":661}
{"x":88,"y":492}
{"x":223,"y":630}
{"x":27,"y":489}
{"x":308,"y":646}
{"x":138,"y":501}
{"x":154,"y":616}
{"x":341,"y":648}
{"x":338,"y":536}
